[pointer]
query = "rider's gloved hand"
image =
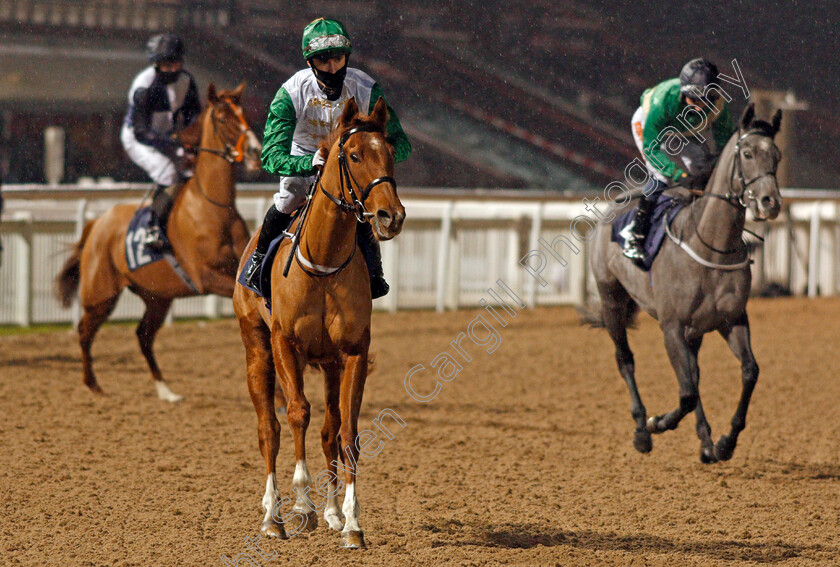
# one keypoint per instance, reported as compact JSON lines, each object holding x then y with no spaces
{"x":319,"y":159}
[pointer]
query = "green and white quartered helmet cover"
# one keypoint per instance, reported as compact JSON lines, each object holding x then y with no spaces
{"x":325,"y":35}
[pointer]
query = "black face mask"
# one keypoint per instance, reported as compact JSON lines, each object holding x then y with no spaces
{"x":331,"y":83}
{"x":169,"y":77}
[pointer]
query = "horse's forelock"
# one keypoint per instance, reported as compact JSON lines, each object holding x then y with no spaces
{"x":337,"y":132}
{"x":763,"y":127}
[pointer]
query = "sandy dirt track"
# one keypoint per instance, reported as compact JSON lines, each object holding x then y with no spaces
{"x":525,"y":458}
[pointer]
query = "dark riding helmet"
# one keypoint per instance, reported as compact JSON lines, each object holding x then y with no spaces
{"x":696,"y":75}
{"x":165,"y":47}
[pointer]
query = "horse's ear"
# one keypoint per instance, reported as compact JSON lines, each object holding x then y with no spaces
{"x":212,"y":96}
{"x":380,"y":113}
{"x":747,"y":117}
{"x":351,"y":110}
{"x":777,"y":122}
{"x":237,"y":93}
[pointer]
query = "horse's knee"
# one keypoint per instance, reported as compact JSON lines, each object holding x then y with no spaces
{"x":688,"y":402}
{"x":749,"y":373}
{"x":297,"y":413}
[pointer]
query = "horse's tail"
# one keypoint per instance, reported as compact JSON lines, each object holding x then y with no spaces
{"x":67,"y":281}
{"x":593,"y":315}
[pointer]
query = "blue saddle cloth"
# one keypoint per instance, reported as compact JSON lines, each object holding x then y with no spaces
{"x":264,"y":290}
{"x":665,"y":210}
{"x":136,"y":253}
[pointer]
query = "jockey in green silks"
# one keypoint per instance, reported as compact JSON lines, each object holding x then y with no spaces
{"x":690,"y":105}
{"x":302,"y":114}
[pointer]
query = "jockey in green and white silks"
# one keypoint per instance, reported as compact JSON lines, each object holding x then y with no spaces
{"x":679,"y":104}
{"x":302,"y":114}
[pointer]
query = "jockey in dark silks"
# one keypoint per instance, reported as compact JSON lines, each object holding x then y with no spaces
{"x":690,"y":106}
{"x":302,"y":114}
{"x":162,"y":101}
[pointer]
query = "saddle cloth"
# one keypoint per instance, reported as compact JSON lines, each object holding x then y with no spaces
{"x":136,"y":253}
{"x":264,"y":290}
{"x":665,"y":210}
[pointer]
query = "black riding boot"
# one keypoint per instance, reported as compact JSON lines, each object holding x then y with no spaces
{"x":274,"y":223}
{"x":160,"y":208}
{"x":634,"y":247}
{"x":370,"y":250}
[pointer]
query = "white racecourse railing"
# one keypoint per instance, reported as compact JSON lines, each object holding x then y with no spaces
{"x":455,"y":245}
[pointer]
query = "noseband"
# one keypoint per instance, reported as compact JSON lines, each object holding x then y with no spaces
{"x":356,"y":204}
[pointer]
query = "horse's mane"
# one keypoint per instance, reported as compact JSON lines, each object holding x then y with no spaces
{"x":339,"y":131}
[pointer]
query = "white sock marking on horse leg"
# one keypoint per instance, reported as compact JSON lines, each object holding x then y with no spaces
{"x":301,"y":481}
{"x":332,"y":512}
{"x":351,"y":509}
{"x":164,"y":393}
{"x":270,"y":498}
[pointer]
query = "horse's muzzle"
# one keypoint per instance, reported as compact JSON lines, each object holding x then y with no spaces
{"x":387,"y":223}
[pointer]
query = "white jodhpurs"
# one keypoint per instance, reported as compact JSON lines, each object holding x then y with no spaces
{"x":292,"y":193}
{"x":159,"y":167}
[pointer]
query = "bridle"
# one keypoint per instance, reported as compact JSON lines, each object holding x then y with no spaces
{"x":746,"y":195}
{"x":232,"y":153}
{"x":356,"y":204}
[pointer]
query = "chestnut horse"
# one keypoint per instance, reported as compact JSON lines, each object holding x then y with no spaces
{"x":207,"y":233}
{"x":321,"y":317}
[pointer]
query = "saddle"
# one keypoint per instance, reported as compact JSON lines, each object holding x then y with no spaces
{"x":668,"y":204}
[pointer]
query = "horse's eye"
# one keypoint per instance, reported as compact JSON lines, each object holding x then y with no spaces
{"x":355,"y":158}
{"x":748,"y":154}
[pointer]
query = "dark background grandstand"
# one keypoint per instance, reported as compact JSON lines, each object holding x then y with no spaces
{"x":514,"y":93}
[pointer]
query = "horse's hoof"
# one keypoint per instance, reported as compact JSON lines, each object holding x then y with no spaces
{"x":94,"y":388}
{"x":707,"y":455}
{"x":167,"y":395}
{"x":311,"y":520}
{"x":353,"y":540}
{"x":642,"y":441}
{"x":724,"y":448}
{"x":335,"y":521}
{"x":651,"y":425}
{"x":270,"y":528}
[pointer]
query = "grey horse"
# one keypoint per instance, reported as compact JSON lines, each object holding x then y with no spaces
{"x":698,"y":283}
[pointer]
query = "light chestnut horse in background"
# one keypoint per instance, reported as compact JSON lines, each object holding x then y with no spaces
{"x":207,"y":234}
{"x":321,"y":317}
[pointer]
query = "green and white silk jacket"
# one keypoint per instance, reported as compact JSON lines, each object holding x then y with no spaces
{"x":301,"y":116}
